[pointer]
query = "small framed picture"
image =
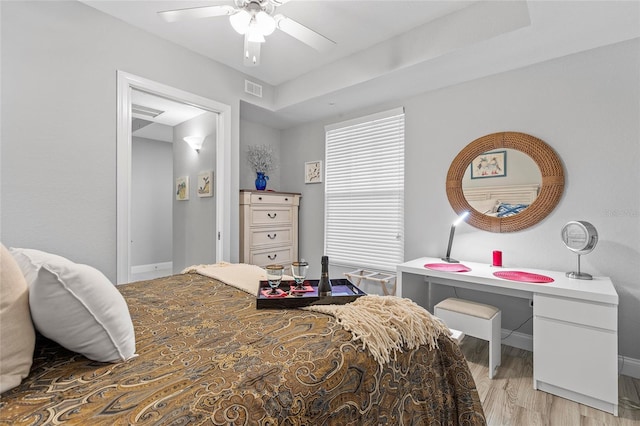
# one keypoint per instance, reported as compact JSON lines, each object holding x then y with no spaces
{"x":313,"y":172}
{"x":489,"y":164}
{"x":205,"y":184}
{"x":182,"y":188}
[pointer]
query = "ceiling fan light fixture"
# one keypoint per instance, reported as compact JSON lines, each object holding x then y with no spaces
{"x":265,"y":23}
{"x":254,"y":19}
{"x":251,"y":52}
{"x":254,"y":34}
{"x":241,"y":21}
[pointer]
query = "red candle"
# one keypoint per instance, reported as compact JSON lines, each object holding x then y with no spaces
{"x":497,"y":258}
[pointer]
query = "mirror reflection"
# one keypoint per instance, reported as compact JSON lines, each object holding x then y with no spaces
{"x":501,"y":183}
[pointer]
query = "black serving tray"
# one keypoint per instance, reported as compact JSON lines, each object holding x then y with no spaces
{"x":343,"y":292}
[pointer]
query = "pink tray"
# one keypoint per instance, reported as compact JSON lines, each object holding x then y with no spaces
{"x":526,"y":277}
{"x":448,"y":267}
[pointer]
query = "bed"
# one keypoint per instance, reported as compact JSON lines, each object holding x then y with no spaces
{"x":205,"y":355}
{"x":501,"y":201}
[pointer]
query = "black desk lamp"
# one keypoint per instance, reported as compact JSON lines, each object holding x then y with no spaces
{"x":457,"y":222}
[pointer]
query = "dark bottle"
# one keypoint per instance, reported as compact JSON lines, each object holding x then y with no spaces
{"x":324,"y":286}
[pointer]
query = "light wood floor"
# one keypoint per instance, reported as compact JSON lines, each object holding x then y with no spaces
{"x":509,"y":399}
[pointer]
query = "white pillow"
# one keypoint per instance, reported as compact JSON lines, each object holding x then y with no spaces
{"x":17,"y":337}
{"x":77,"y":306}
{"x":30,"y":260}
{"x":485,"y":206}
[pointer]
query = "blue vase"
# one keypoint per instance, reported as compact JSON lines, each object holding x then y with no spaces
{"x":261,"y":181}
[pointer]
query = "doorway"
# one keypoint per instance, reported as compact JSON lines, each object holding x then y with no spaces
{"x":158,"y":156}
{"x":127,"y":84}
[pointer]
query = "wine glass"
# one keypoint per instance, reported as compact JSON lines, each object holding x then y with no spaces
{"x":274,"y":276}
{"x":299,"y":272}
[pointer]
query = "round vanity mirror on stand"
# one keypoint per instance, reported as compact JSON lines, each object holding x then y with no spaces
{"x":580,"y":237}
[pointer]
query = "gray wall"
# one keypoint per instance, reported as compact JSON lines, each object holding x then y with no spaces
{"x":194,"y":220}
{"x":151,"y":201}
{"x":58,"y":170}
{"x":585,"y":106}
{"x":258,"y":134}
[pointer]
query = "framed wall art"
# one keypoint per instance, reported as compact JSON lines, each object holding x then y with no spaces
{"x":313,"y":171}
{"x":205,"y":184}
{"x":489,"y":164}
{"x":182,"y":188}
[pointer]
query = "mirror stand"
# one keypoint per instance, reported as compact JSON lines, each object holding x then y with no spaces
{"x":579,"y":275}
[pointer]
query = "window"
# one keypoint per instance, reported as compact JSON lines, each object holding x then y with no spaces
{"x":364,"y":191}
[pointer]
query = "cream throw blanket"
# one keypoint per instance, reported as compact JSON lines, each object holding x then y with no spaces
{"x":383,"y":324}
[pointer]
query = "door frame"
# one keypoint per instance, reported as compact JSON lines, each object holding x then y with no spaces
{"x":125,"y":83}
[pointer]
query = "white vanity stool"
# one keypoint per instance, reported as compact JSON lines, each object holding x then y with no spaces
{"x":477,"y":320}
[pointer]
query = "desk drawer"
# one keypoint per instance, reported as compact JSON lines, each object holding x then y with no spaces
{"x":581,"y":312}
{"x":271,"y":236}
{"x":576,"y":358}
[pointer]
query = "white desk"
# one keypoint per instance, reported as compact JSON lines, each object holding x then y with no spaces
{"x":575,"y":325}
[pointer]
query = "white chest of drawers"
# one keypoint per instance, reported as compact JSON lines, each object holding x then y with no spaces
{"x":268,"y":227}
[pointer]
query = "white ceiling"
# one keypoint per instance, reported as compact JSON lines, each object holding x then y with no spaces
{"x":172,"y":113}
{"x":389,"y":49}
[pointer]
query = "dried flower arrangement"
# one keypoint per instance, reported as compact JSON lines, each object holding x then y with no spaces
{"x":261,"y":158}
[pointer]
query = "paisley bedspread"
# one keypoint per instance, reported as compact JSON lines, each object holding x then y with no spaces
{"x":207,"y":356}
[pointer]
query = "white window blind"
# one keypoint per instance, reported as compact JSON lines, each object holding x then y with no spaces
{"x":364,"y":191}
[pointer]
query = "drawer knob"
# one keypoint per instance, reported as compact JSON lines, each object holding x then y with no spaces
{"x":286,"y":199}
{"x":272,"y":217}
{"x":272,"y":257}
{"x":271,"y":237}
{"x":260,"y":198}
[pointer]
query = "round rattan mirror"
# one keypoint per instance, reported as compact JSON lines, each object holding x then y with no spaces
{"x":549,"y":194}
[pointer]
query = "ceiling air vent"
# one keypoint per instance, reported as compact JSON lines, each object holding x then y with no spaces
{"x":145,"y":111}
{"x":253,"y":88}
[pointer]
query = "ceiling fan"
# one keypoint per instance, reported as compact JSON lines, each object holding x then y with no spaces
{"x":254,"y":19}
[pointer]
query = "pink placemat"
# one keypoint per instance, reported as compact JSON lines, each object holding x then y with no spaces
{"x":526,"y":277}
{"x":279,"y":293}
{"x":448,"y":267}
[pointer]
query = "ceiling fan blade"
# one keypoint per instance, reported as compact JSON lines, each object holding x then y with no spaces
{"x":277,"y":3}
{"x":251,"y":52}
{"x":196,"y":13}
{"x":304,"y":34}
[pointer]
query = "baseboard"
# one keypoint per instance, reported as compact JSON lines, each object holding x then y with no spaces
{"x":517,"y":340}
{"x":608,"y":406}
{"x":626,"y":365}
{"x":629,"y":366}
{"x":138,"y":269}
